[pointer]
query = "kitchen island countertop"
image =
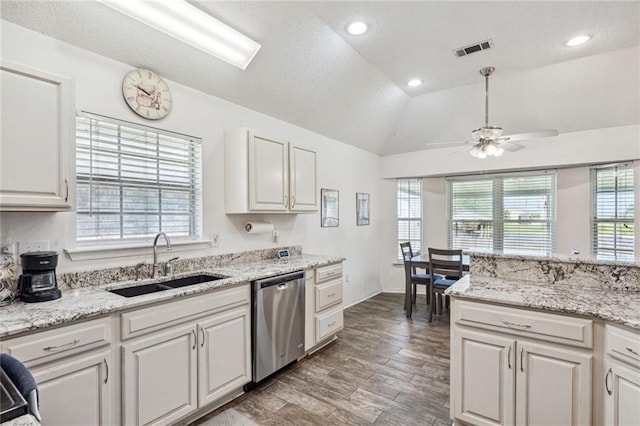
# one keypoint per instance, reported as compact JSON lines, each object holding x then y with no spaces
{"x":91,"y":302}
{"x":618,"y":306}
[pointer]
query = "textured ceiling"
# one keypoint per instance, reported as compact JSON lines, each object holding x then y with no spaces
{"x":311,"y":73}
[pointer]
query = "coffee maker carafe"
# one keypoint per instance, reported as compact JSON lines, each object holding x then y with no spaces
{"x":38,"y":280}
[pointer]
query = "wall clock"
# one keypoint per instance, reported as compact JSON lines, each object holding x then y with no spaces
{"x":147,"y":94}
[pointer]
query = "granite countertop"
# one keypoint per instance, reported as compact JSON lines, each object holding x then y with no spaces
{"x":618,"y":306}
{"x":88,"y":302}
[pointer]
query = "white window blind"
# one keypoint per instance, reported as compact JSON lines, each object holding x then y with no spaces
{"x":512,"y":214}
{"x":409,"y":214}
{"x":135,"y":181}
{"x":613,"y":212}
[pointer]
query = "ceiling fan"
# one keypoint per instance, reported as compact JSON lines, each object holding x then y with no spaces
{"x":487,"y":141}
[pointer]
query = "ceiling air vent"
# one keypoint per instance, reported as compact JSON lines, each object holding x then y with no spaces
{"x":477,"y":47}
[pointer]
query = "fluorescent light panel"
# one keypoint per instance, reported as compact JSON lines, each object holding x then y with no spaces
{"x":192,"y":26}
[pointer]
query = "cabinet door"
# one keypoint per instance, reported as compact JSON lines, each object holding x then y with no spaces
{"x":482,"y":378}
{"x":622,"y":396}
{"x":77,"y":391}
{"x":224,"y":354}
{"x":159,"y":377}
{"x":302,"y":179}
{"x":268,"y":174}
{"x":36,"y":139}
{"x":553,"y":385}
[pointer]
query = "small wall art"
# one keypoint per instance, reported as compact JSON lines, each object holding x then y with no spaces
{"x":329,"y":216}
{"x":362,"y":209}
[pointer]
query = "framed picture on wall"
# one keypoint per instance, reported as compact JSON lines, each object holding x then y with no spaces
{"x":362,"y":208}
{"x":330,"y":199}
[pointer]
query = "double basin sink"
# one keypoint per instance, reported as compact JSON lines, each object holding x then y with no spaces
{"x":167,"y":285}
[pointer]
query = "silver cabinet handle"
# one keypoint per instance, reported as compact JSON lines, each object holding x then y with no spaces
{"x":509,"y":358}
{"x":60,"y":347}
{"x":66,"y":184}
{"x":293,"y":201}
{"x":195,"y":339}
{"x":332,"y":324}
{"x":286,"y":200}
{"x":513,"y":324}
{"x":606,"y":381}
{"x":521,"y":359}
{"x":331,"y":295}
{"x":202,"y":331}
{"x":632,"y":351}
{"x":106,"y":364}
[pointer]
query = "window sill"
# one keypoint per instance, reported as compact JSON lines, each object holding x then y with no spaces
{"x":109,"y":252}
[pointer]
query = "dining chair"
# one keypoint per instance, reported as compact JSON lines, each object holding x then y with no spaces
{"x":445,"y":268}
{"x":416,"y":278}
{"x":23,"y":381}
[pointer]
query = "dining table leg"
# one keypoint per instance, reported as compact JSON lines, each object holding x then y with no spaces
{"x":408,"y":305}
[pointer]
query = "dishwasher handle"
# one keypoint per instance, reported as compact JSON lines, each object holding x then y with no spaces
{"x":280,"y":279}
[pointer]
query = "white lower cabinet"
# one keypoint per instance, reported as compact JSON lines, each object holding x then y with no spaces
{"x":76,"y":392}
{"x":224,"y":356}
{"x":622,"y":397}
{"x":518,"y":378}
{"x":323,"y":304}
{"x":159,"y":377}
{"x":199,"y":357}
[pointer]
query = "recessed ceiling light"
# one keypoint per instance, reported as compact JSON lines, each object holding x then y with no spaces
{"x":357,"y":28}
{"x":415,"y":82}
{"x":577,"y":41}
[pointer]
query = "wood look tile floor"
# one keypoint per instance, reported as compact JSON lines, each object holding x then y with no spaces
{"x":382,"y":370}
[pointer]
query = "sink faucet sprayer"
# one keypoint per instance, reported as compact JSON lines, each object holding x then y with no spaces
{"x":155,"y":251}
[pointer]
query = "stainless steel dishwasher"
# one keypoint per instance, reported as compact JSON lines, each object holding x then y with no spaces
{"x":278,"y":323}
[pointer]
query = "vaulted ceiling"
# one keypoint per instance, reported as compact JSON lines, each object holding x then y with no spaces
{"x":312,"y":73}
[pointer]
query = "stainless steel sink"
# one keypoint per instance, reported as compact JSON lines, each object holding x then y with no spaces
{"x":139,"y":290}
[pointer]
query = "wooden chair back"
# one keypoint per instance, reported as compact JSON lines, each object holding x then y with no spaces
{"x":407,"y":253}
{"x":445,"y":262}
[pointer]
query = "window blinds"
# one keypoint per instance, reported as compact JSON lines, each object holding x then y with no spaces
{"x":512,"y":214}
{"x":409,"y":214}
{"x":135,"y":181}
{"x":613,"y":212}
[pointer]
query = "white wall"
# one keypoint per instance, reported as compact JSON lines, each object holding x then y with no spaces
{"x":98,"y":90}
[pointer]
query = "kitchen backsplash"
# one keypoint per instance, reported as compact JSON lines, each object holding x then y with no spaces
{"x":126,"y":273}
{"x":591,"y":274}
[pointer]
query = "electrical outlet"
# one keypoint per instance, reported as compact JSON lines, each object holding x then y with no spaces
{"x":36,"y":245}
{"x":346,"y":278}
{"x":215,"y":240}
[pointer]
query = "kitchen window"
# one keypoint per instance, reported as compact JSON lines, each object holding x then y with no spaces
{"x":134,"y":181}
{"x":510,"y":213}
{"x":613,"y":212}
{"x":409,"y":214}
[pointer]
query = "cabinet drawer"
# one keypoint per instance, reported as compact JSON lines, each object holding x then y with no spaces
{"x":622,"y":343}
{"x":142,"y":321}
{"x":328,"y":323}
{"x":328,"y":294}
{"x":539,"y":325}
{"x":50,"y":345}
{"x":328,"y":272}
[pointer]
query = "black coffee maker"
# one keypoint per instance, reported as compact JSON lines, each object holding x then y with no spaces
{"x":38,"y":280}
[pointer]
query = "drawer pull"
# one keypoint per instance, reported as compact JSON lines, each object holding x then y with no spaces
{"x":331,"y":324}
{"x":606,"y":381}
{"x":513,"y":324}
{"x":632,"y":351}
{"x":60,"y":347}
{"x":333,"y":294}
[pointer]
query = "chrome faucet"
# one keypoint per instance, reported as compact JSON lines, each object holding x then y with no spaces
{"x":155,"y":252}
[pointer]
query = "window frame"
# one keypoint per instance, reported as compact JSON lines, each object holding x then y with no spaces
{"x":192,"y":191}
{"x":498,"y":221}
{"x":408,"y":219}
{"x":625,"y":256}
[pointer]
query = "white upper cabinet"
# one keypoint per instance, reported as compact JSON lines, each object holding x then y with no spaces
{"x":36,"y":144}
{"x":266,"y":174}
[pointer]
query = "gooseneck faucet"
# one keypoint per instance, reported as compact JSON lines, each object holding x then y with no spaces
{"x":155,"y":251}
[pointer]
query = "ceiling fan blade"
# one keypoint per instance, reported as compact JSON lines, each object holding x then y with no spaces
{"x":443,"y":145}
{"x":511,"y":147}
{"x":532,"y":135}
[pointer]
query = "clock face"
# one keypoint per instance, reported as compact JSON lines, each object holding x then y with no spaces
{"x":147,"y":94}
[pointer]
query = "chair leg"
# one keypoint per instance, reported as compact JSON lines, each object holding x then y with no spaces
{"x":415,"y":292}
